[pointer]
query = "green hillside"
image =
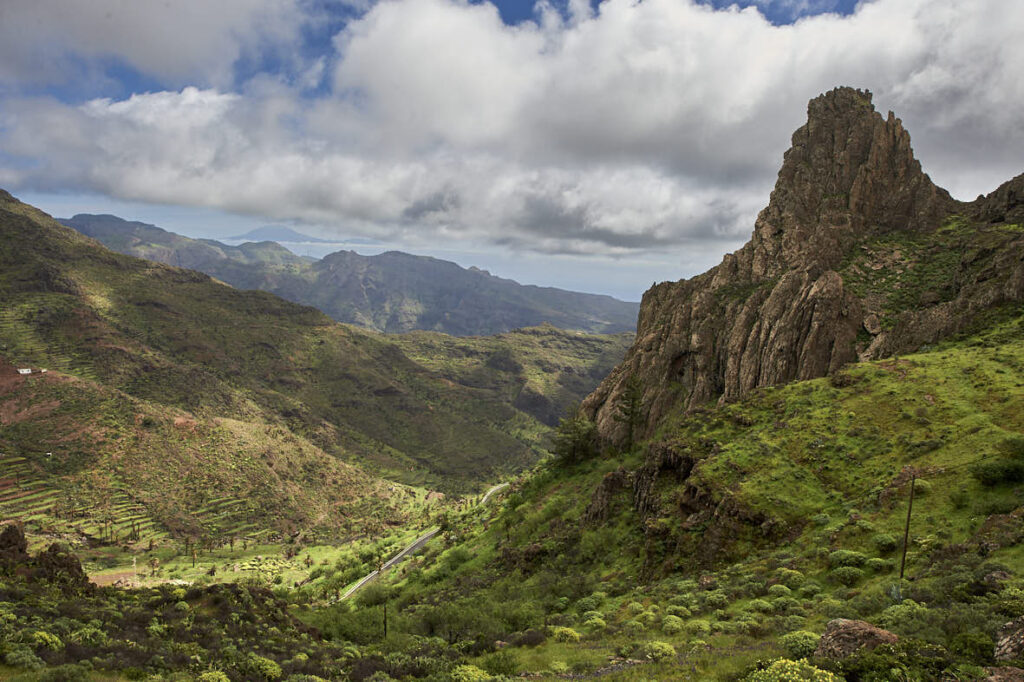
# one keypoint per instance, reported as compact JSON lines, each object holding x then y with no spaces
{"x":181,"y":340}
{"x":737,"y":525}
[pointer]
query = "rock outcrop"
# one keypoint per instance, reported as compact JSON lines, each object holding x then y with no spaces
{"x":843,"y":638}
{"x":1010,"y":646}
{"x":781,"y":308}
{"x":55,"y":565}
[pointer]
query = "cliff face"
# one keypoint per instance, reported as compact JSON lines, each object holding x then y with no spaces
{"x":850,"y":259}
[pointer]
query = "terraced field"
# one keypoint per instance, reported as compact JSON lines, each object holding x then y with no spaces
{"x":27,"y":495}
{"x":20,"y":322}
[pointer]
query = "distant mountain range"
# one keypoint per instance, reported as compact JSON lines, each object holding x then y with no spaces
{"x":279,"y":233}
{"x":389,"y":292}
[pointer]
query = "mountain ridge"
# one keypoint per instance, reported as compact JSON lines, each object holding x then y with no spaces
{"x":391,"y":292}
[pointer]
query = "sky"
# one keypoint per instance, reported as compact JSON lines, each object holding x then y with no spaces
{"x":592,"y":145}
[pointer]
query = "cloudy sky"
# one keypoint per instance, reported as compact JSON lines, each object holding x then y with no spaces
{"x":594,"y":146}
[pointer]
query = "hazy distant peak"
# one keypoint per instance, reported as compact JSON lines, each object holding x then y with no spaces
{"x":277,"y":233}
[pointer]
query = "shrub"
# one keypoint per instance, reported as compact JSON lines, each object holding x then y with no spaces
{"x":634,"y":607}
{"x":790,"y":578}
{"x":779,"y":591}
{"x":884,"y":543}
{"x":23,"y":658}
{"x":658,"y":651}
{"x":998,"y":472}
{"x":672,"y":625}
{"x":592,"y":614}
{"x":922,"y":487}
{"x":469,"y":673}
{"x":65,"y":673}
{"x":213,"y":676}
{"x":877,"y":565}
{"x":847,"y":575}
{"x":565,"y":635}
{"x":974,"y":646}
{"x":680,"y":611}
{"x":715,"y":600}
{"x":785,"y":670}
{"x":699,"y":628}
{"x":760,"y":605}
{"x":846,"y":557}
{"x":820,"y":519}
{"x":800,"y":644}
{"x":648,"y":618}
{"x":596,"y":623}
{"x":558,"y":668}
{"x":588,"y":603}
{"x":634,"y":627}
{"x":262,"y":667}
{"x":529,"y":638}
{"x":504,"y":662}
{"x":810,"y":588}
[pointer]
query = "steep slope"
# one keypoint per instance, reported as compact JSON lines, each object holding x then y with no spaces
{"x":390,"y":292}
{"x":177,"y":338}
{"x":81,"y":460}
{"x":742,"y":523}
{"x":857,"y":255}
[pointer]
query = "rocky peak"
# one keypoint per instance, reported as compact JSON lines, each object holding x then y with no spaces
{"x":781,"y":309}
{"x":849,"y":172}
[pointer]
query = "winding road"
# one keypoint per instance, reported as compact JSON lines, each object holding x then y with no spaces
{"x":413,"y":547}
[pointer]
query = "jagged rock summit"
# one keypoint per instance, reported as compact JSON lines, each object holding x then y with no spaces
{"x":841,"y":266}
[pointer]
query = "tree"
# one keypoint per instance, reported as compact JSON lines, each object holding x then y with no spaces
{"x":630,"y":409}
{"x":576,"y":437}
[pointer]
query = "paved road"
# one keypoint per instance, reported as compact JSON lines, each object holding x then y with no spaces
{"x":415,"y":546}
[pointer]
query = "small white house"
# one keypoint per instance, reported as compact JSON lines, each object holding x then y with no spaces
{"x":24,"y":371}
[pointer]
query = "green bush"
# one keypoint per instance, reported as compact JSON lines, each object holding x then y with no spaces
{"x":588,"y":603}
{"x":998,"y":472}
{"x":884,"y":543}
{"x":976,"y":647}
{"x":23,"y":657}
{"x":672,"y":625}
{"x":699,"y":628}
{"x":800,"y":644}
{"x":634,"y":627}
{"x":65,"y":673}
{"x":680,"y":611}
{"x":504,"y":662}
{"x":878,"y":565}
{"x":213,"y":676}
{"x":779,"y":591}
{"x":846,"y":557}
{"x":760,"y":606}
{"x":469,"y":673}
{"x":47,"y":640}
{"x":262,"y":667}
{"x":785,"y":670}
{"x":562,"y":634}
{"x":634,"y":607}
{"x":790,"y":578}
{"x":847,"y":575}
{"x":658,"y":651}
{"x":595,"y":624}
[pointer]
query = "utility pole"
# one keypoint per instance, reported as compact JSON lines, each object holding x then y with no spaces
{"x":906,"y":530}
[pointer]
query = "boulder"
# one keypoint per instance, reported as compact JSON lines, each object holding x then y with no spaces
{"x":13,"y":545}
{"x":1010,"y":645}
{"x":843,"y":638}
{"x":1003,"y":675}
